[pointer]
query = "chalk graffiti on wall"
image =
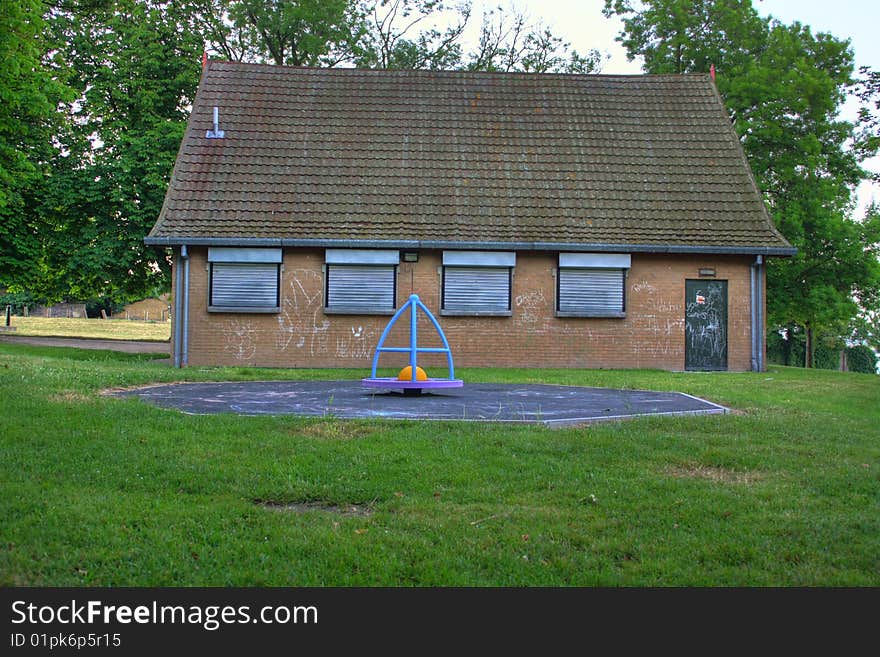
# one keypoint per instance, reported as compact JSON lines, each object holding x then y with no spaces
{"x":241,"y":339}
{"x":531,"y":310}
{"x":357,"y":344}
{"x":706,"y":324}
{"x":643,"y":286}
{"x":299,"y":322}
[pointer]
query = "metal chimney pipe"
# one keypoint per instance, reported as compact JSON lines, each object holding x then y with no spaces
{"x":216,"y":133}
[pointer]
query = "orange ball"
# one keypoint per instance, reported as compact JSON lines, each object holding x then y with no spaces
{"x":406,"y":374}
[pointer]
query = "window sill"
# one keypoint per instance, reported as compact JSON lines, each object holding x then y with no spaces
{"x":560,"y":313}
{"x":475,"y":313}
{"x":240,"y":309}
{"x":359,"y":311}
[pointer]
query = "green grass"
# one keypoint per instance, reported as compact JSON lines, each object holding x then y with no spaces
{"x":108,"y":329}
{"x":104,"y":491}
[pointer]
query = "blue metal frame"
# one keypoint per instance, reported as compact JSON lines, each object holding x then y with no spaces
{"x":414,"y":304}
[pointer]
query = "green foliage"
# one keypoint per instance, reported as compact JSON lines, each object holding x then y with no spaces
{"x":685,"y":36}
{"x":783,"y":86}
{"x":868,"y":92}
{"x":136,"y":70}
{"x":108,"y":305}
{"x":19,"y":301}
{"x":295,"y":32}
{"x":509,"y":42}
{"x":787,"y":347}
{"x":30,"y":87}
{"x":827,"y":357}
{"x":861,"y":359}
{"x":790,"y":349}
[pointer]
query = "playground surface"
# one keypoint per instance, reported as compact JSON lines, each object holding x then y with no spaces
{"x":552,"y":405}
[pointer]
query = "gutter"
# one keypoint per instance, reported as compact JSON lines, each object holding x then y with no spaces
{"x":601,"y":247}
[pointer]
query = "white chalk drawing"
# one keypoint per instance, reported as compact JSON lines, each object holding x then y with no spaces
{"x":531,"y":309}
{"x":357,"y":344}
{"x":241,"y":339}
{"x":663,"y":307}
{"x":299,"y":322}
{"x":643,"y":286}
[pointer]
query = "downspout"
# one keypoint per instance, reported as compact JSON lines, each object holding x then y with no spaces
{"x":178,"y":278}
{"x":759,"y":294}
{"x":756,"y":277}
{"x":184,"y":357}
{"x":753,"y":318}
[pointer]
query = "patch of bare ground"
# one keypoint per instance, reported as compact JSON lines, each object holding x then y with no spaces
{"x":713,"y":473}
{"x":333,"y":430}
{"x":316,"y":505}
{"x":70,"y":397}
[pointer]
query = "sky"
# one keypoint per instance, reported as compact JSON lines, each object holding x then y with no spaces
{"x":581,"y":23}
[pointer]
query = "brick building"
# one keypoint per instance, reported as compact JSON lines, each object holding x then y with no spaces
{"x":546,"y":220}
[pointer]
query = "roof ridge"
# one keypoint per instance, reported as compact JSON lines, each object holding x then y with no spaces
{"x":344,"y":70}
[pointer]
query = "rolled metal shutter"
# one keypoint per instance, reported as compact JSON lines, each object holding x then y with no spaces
{"x":591,"y":291}
{"x":476,"y":289}
{"x":244,"y":285}
{"x":360,"y":287}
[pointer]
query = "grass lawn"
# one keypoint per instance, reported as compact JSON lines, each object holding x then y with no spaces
{"x":104,"y":491}
{"x":108,"y":329}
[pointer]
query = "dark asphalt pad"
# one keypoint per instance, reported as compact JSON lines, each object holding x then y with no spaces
{"x":548,"y":404}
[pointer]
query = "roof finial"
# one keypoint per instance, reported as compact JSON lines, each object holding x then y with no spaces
{"x":712,"y":71}
{"x":204,"y":59}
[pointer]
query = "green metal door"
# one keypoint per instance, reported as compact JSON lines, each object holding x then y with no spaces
{"x":705,"y":325}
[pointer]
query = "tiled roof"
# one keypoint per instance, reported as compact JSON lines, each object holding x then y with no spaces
{"x":336,"y":155}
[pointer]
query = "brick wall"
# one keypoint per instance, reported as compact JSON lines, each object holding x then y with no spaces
{"x":302,"y":335}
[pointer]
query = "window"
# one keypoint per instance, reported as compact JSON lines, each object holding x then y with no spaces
{"x":592,"y":284}
{"x":361,"y":281}
{"x":244,"y":280}
{"x":477,"y":282}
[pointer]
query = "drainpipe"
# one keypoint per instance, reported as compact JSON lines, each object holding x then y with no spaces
{"x":178,"y":277}
{"x":184,"y":356}
{"x":756,"y":277}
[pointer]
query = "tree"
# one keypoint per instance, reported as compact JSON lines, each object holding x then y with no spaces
{"x":683,"y":36}
{"x":136,"y":67}
{"x":783,"y":87}
{"x":868,"y":92}
{"x":509,"y":42}
{"x":297,"y":32}
{"x":405,"y":34}
{"x":30,"y":87}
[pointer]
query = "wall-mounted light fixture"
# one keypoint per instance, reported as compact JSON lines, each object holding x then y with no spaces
{"x":410,"y":256}
{"x":707,"y":271}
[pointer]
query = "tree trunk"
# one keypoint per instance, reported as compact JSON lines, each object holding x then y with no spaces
{"x":808,"y":354}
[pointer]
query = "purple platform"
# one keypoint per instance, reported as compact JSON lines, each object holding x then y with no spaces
{"x":394,"y":382}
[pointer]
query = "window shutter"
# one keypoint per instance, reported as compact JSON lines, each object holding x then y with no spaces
{"x":476,"y":289}
{"x":244,"y":285}
{"x":591,"y":291}
{"x":360,"y":287}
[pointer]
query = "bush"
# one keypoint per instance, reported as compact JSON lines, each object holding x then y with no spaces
{"x":785,"y":352}
{"x":861,"y":359}
{"x":18,"y":300}
{"x":95,"y":306}
{"x":826,"y":358}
